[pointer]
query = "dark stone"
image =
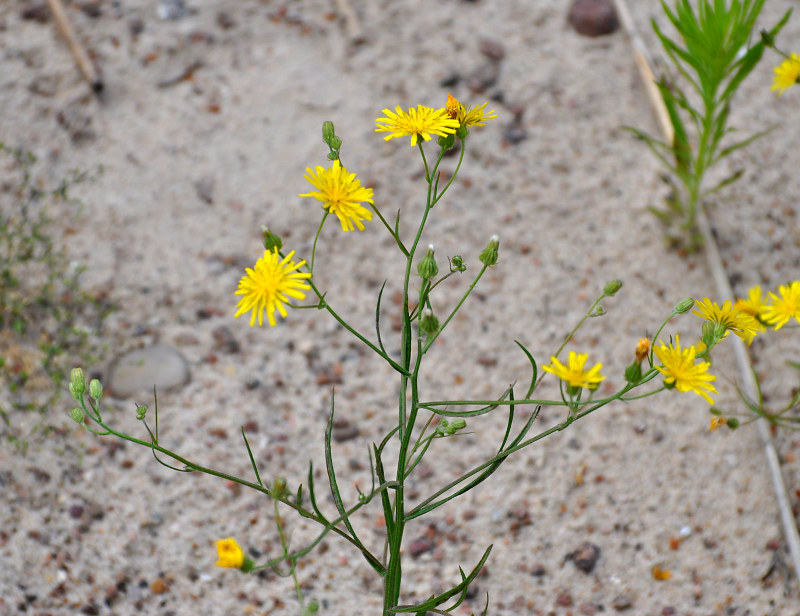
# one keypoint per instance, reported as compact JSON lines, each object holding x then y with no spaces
{"x":593,"y":17}
{"x":585,"y":557}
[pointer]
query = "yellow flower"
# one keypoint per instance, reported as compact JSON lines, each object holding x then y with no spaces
{"x":682,"y":373}
{"x":468,"y":117}
{"x":787,"y":73}
{"x":269,"y":285}
{"x":229,"y":554}
{"x":780,"y":309}
{"x":574,"y":374}
{"x":420,"y":122}
{"x":730,"y":317}
{"x":341,"y":193}
{"x":753,"y":305}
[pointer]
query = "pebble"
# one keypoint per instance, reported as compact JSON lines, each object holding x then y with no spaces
{"x":418,"y":547}
{"x":138,"y":371}
{"x":593,"y":17}
{"x":35,"y":11}
{"x":622,"y":602}
{"x":224,"y":340}
{"x":492,"y":49}
{"x":585,"y":556}
{"x":171,"y":9}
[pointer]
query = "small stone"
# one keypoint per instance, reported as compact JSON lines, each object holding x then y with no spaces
{"x":492,"y":49}
{"x":593,"y":17}
{"x":92,"y":9}
{"x":564,"y":599}
{"x":585,"y":557}
{"x":159,"y":586}
{"x":483,"y":77}
{"x":138,"y":371}
{"x":418,"y":547}
{"x":75,"y":511}
{"x":225,"y":21}
{"x":224,"y":340}
{"x":621,"y":602}
{"x":587,"y":609}
{"x":35,"y":11}
{"x":171,"y":9}
{"x":538,"y":570}
{"x":344,"y":430}
{"x":75,"y":119}
{"x":204,"y":187}
{"x":668,"y":610}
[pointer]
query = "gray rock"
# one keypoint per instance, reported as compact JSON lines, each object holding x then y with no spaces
{"x":138,"y":371}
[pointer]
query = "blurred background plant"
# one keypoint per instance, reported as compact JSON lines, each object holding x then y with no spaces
{"x":710,"y":57}
{"x":46,"y":317}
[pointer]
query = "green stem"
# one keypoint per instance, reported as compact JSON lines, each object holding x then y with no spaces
{"x":285,"y":546}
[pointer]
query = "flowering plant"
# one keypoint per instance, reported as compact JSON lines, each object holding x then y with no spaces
{"x":278,"y":281}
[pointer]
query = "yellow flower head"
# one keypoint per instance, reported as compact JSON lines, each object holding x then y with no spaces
{"x":642,"y":349}
{"x":341,"y":193}
{"x":269,"y":285}
{"x":753,"y":305}
{"x":229,"y":554}
{"x":420,"y":122}
{"x":780,"y":309}
{"x":787,"y":73}
{"x":730,"y":317}
{"x":574,"y":374}
{"x":681,"y":371}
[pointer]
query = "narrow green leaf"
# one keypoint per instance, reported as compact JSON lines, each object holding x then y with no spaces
{"x":252,"y":459}
{"x":534,"y":369}
{"x":337,"y":497}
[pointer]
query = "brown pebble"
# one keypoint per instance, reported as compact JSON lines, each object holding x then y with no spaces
{"x":91,"y":9}
{"x":773,"y":544}
{"x":35,"y":11}
{"x":224,"y":340}
{"x":492,"y":49}
{"x":483,"y":77}
{"x":538,"y":570}
{"x":621,"y":602}
{"x":418,"y":547}
{"x":76,"y":511}
{"x":585,"y":556}
{"x":344,"y":430}
{"x":593,"y":17}
{"x":225,"y":21}
{"x":667,"y":610}
{"x":159,"y":587}
{"x":564,"y":599}
{"x":588,"y":609}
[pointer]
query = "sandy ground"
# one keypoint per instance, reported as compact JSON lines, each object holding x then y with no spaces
{"x":193,"y":167}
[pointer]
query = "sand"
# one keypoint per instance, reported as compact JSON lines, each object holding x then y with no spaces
{"x":193,"y":167}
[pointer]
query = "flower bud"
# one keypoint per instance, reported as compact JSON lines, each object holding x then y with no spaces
{"x":633,"y":373}
{"x":271,"y":241}
{"x":95,"y":389}
{"x":713,"y":333}
{"x":77,"y":414}
{"x":732,"y":423}
{"x":612,"y":287}
{"x":642,"y":349}
{"x":457,"y":264}
{"x":328,"y":132}
{"x":427,"y":268}
{"x":428,"y":323}
{"x":279,"y":488}
{"x":447,"y":141}
{"x":462,"y":132}
{"x":141,"y":411}
{"x":489,"y":254}
{"x":77,"y":383}
{"x":767,"y":38}
{"x":458,"y":424}
{"x":684,"y":306}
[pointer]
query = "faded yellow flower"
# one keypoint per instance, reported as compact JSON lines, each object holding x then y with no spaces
{"x":341,"y":193}
{"x":421,"y":122}
{"x":642,"y":349}
{"x":753,"y":305}
{"x":681,"y":372}
{"x":787,"y":73}
{"x":574,"y":374}
{"x":270,"y":285}
{"x":468,"y":117}
{"x":716,"y":422}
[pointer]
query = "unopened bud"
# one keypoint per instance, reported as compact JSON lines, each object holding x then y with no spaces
{"x":428,"y":323}
{"x":427,"y":268}
{"x":271,"y":241}
{"x":77,"y":383}
{"x":767,"y":38}
{"x":642,"y":349}
{"x":489,"y":254}
{"x":612,"y":287}
{"x":328,"y":132}
{"x":447,"y":141}
{"x":95,"y":389}
{"x":279,"y":488}
{"x":732,"y":423}
{"x":457,"y":264}
{"x":633,"y":373}
{"x":458,"y":424}
{"x":684,"y":306}
{"x":77,"y":414}
{"x":141,"y":411}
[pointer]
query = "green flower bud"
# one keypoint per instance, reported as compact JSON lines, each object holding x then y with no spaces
{"x":713,"y":333}
{"x":612,"y":287}
{"x":427,"y":268}
{"x":271,"y":241}
{"x":95,"y":389}
{"x":77,"y":414}
{"x":457,"y":264}
{"x":279,"y":488}
{"x":489,"y":254}
{"x":247,"y":565}
{"x":141,"y":411}
{"x":328,"y":132}
{"x":633,"y":373}
{"x":447,"y":142}
{"x":77,"y":383}
{"x":684,"y":306}
{"x":458,"y":424}
{"x":462,"y":132}
{"x":732,"y":423}
{"x":428,"y":323}
{"x":714,"y":411}
{"x":767,"y":38}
